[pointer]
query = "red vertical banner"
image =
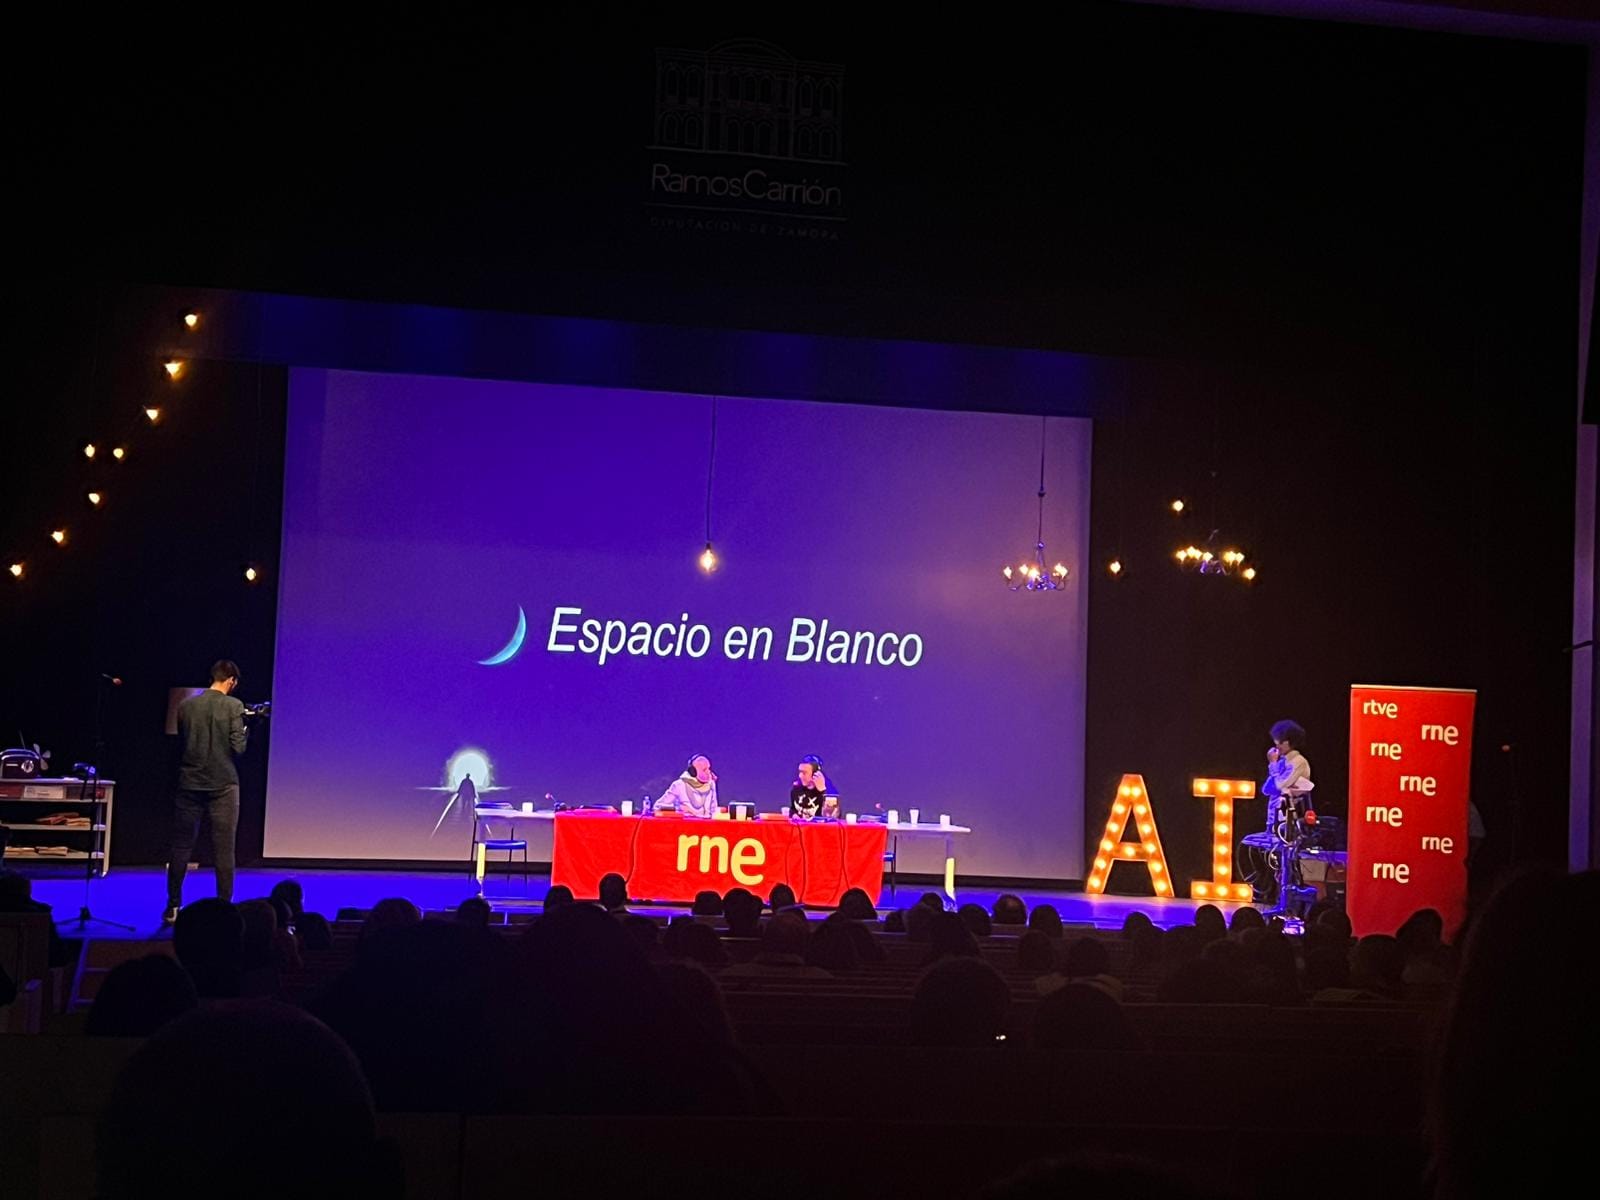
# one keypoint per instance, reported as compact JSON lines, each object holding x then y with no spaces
{"x":1410,"y":773}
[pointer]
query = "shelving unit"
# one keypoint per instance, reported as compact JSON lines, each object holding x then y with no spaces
{"x":21,"y":800}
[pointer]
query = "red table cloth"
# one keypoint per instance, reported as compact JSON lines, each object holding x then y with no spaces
{"x":674,"y":858}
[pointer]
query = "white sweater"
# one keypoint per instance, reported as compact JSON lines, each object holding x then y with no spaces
{"x":691,"y":802}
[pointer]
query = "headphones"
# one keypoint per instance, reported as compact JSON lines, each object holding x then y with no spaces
{"x":689,"y":769}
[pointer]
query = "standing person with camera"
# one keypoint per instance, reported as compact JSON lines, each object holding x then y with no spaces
{"x":211,"y":734}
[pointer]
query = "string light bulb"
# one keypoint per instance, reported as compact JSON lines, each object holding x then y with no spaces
{"x":89,"y":450}
{"x":152,"y":415}
{"x":1115,"y":566}
{"x":191,"y":319}
{"x":118,"y":453}
{"x":94,"y":498}
{"x":16,"y":569}
{"x":708,"y":559}
{"x":251,"y":575}
{"x":174,"y":367}
{"x":1249,"y":573}
{"x":58,"y":536}
{"x":1177,"y":506}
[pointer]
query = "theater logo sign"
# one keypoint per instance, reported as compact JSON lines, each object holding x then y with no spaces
{"x":747,"y":139}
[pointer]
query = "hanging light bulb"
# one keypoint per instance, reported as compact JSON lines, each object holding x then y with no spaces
{"x":707,"y":558}
{"x":58,"y":536}
{"x":1248,"y":574}
{"x":89,"y":450}
{"x":16,"y":570}
{"x":119,"y":453}
{"x":152,"y":415}
{"x":94,"y":498}
{"x":1177,"y":506}
{"x":191,"y":319}
{"x":174,"y":367}
{"x":251,"y":574}
{"x":1115,"y":566}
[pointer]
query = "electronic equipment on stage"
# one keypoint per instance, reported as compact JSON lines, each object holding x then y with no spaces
{"x":24,"y":762}
{"x":1295,"y":836}
{"x":259,"y":711}
{"x":1326,"y":833}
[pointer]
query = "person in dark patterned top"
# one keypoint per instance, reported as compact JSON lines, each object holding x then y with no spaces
{"x":811,"y":795}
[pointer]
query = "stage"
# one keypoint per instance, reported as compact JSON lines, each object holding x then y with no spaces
{"x":134,"y":896}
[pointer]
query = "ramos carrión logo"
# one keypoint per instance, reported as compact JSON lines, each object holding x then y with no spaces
{"x":745,"y":131}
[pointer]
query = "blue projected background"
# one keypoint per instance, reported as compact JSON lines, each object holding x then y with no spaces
{"x":423,"y":515}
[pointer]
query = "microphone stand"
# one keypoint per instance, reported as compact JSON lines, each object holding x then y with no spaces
{"x":89,"y":775}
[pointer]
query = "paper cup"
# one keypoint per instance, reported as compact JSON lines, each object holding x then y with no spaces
{"x":849,"y":818}
{"x":944,"y":820}
{"x":914,"y":815}
{"x":627,"y":808}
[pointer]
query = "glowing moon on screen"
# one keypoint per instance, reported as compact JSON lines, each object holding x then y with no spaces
{"x":469,"y":761}
{"x":511,"y":647}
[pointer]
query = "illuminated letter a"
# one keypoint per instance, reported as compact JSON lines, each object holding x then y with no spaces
{"x":1131,"y":805}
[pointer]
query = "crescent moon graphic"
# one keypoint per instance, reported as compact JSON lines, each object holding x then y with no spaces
{"x":511,"y":647}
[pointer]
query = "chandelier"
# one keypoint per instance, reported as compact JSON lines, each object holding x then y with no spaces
{"x":1208,"y":560}
{"x":1031,"y":574}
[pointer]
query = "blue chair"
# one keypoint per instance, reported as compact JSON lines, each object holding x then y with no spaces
{"x":480,"y":832}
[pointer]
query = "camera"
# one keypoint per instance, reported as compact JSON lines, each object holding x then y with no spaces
{"x":258,"y":712}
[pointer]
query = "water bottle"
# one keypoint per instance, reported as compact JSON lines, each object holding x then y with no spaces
{"x":648,"y":806}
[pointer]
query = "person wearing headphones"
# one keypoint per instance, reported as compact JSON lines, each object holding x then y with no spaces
{"x":812,"y":796}
{"x":694,"y":793}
